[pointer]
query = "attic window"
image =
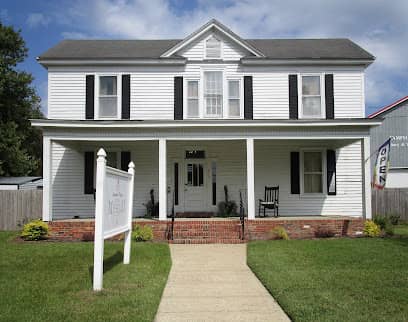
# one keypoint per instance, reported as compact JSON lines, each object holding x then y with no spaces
{"x":213,"y":48}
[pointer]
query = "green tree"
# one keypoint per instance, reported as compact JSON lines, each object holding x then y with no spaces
{"x":20,"y":143}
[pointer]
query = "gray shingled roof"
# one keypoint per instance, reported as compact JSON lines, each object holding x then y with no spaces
{"x":17,"y":180}
{"x":271,"y":48}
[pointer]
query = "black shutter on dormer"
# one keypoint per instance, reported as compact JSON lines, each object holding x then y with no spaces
{"x":294,"y":173}
{"x":329,"y":95}
{"x":331,"y":172}
{"x":178,"y":98}
{"x":248,"y":98}
{"x":125,"y":97}
{"x":293,"y":97}
{"x":125,"y":160}
{"x":89,"y":97}
{"x":89,"y":162}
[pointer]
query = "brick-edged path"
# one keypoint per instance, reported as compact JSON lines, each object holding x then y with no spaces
{"x":213,"y":283}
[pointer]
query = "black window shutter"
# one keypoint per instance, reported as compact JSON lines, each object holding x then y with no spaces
{"x":329,"y":94}
{"x":294,"y":173}
{"x":125,"y":97}
{"x":178,"y":98}
{"x":90,"y":97}
{"x":89,"y":172}
{"x":124,"y":160}
{"x":331,"y":172}
{"x":248,"y":98}
{"x":293,"y":97}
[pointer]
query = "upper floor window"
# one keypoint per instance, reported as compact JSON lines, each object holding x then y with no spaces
{"x":213,"y":93}
{"x":108,"y":97}
{"x":212,"y":48}
{"x":311,"y":105}
{"x":192,"y":99}
{"x":234,"y":109}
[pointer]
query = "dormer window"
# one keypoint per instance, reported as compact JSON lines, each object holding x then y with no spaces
{"x":213,"y":48}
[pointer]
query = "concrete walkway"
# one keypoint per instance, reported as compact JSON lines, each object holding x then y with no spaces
{"x":213,"y":283}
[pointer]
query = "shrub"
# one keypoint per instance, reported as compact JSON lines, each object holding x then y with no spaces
{"x":35,"y":230}
{"x":227,"y":208}
{"x":371,"y":229}
{"x":323,"y":232}
{"x":381,"y":221}
{"x":279,"y":233}
{"x":142,"y":233}
{"x":394,"y":219}
{"x":152,"y":207}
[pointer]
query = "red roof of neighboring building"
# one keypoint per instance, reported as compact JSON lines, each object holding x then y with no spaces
{"x":388,"y":107}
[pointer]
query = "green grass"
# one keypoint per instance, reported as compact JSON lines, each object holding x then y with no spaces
{"x":401,"y":230}
{"x":335,"y":279}
{"x":47,"y":281}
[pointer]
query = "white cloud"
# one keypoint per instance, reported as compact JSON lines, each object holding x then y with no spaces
{"x":74,"y":35}
{"x":36,"y":19}
{"x":379,"y":26}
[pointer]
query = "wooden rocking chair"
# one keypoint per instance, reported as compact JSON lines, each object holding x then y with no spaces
{"x":270,"y":201}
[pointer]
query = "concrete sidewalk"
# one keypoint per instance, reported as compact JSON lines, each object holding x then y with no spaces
{"x":213,"y":283}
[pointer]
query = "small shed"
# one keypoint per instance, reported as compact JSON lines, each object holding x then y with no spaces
{"x":21,"y":183}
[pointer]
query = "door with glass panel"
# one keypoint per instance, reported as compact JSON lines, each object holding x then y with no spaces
{"x":195,"y":186}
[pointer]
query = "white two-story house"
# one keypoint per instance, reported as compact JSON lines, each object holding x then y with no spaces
{"x":208,"y":111}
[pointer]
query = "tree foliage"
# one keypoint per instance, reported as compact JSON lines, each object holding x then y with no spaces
{"x":20,"y":144}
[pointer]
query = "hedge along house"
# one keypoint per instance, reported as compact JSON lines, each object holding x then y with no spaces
{"x":208,"y":111}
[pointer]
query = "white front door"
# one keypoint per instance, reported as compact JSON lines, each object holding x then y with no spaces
{"x":195,"y":186}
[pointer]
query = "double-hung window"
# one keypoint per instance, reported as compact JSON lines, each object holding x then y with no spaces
{"x":192,"y":99}
{"x":108,"y":97}
{"x":311,"y":97}
{"x":312,"y":172}
{"x":213,"y":93}
{"x":234,"y":110}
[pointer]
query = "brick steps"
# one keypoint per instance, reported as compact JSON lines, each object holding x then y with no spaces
{"x":207,"y":232}
{"x":207,"y":241}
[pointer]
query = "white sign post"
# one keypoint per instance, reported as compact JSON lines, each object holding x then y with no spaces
{"x":113,"y":211}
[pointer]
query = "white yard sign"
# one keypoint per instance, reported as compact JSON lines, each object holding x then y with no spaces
{"x":113,"y":211}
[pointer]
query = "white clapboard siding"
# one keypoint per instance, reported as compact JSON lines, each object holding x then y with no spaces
{"x":69,"y":199}
{"x":272,"y":167}
{"x":66,"y":95}
{"x":152,"y":96}
{"x":348,"y":95}
{"x":270,"y":96}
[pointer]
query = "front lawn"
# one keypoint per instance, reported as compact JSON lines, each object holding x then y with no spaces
{"x":401,"y":230}
{"x":47,"y":281}
{"x":335,"y":279}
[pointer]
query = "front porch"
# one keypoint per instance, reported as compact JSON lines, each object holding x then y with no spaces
{"x":190,"y":176}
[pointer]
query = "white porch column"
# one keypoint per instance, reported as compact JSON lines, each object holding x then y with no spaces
{"x":47,"y":180}
{"x":366,"y":165}
{"x":250,"y":178}
{"x":162,"y":180}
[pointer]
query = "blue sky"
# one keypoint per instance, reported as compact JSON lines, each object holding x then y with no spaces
{"x":381,"y":27}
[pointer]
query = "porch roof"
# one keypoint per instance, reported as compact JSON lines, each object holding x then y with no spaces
{"x":61,"y":123}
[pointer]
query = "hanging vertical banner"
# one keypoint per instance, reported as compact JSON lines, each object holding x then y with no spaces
{"x":381,"y":165}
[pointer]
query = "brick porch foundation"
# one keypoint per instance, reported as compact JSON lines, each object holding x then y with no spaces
{"x":218,"y":230}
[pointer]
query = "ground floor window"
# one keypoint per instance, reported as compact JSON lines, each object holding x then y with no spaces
{"x":312,"y":172}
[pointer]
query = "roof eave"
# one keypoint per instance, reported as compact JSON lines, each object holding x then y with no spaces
{"x":306,"y":61}
{"x":46,"y":62}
